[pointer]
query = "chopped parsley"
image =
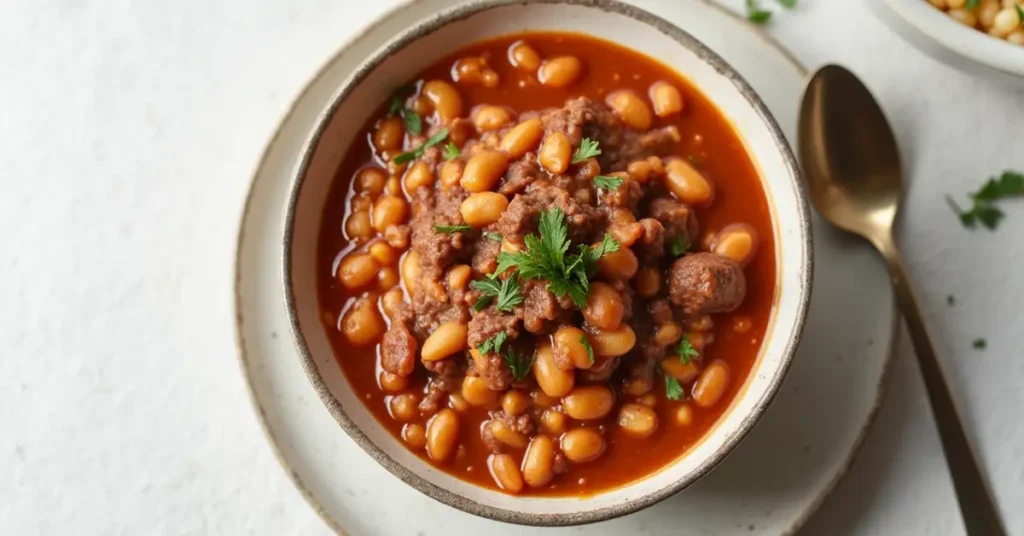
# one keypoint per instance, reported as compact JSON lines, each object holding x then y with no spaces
{"x":788,"y":3}
{"x":588,"y":149}
{"x":678,"y":245}
{"x":589,"y":348}
{"x":606,"y":182}
{"x":673,"y":391}
{"x":979,"y":344}
{"x":506,"y":291}
{"x":547,"y":257}
{"x":517,"y":363}
{"x":1020,"y":12}
{"x":494,"y":344}
{"x":418,"y":152}
{"x":757,"y":15}
{"x":1009,"y":184}
{"x":410,"y":119}
{"x":972,"y":4}
{"x":494,"y":237}
{"x":950,"y":300}
{"x":449,"y":229}
{"x":686,"y":350}
{"x":451,"y":151}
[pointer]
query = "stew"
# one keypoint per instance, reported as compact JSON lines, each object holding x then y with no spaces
{"x":550,"y":268}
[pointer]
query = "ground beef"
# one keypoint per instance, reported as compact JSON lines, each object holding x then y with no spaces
{"x":539,"y":306}
{"x":520,"y":218}
{"x":661,"y":311}
{"x":439,"y":250}
{"x":483,"y":326}
{"x":398,"y":350}
{"x":652,"y":240}
{"x":677,"y":220}
{"x":705,"y":283}
{"x":446,"y":379}
{"x":520,"y":174}
{"x":600,"y":372}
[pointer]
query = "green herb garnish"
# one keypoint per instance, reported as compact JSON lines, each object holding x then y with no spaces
{"x":449,"y":229}
{"x":507,"y":292}
{"x":950,"y":300}
{"x":494,"y":237}
{"x":979,"y":344}
{"x":678,"y":245}
{"x":494,"y":344}
{"x":588,"y":149}
{"x":418,"y":152}
{"x":1009,"y":184}
{"x":590,"y":349}
{"x":518,"y":364}
{"x":972,"y":4}
{"x":757,"y":15}
{"x":686,"y":350}
{"x":546,"y":257}
{"x":1020,"y":13}
{"x":451,"y":151}
{"x":673,"y":391}
{"x":410,"y":119}
{"x":606,"y":182}
{"x":788,"y":3}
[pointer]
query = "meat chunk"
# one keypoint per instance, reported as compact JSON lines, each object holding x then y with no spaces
{"x":491,"y":366}
{"x":705,"y":283}
{"x":676,"y":218}
{"x":520,"y":218}
{"x":398,"y":350}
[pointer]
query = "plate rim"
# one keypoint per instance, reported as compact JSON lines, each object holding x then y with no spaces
{"x":239,"y":316}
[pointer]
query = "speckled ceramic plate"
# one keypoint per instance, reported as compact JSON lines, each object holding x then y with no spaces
{"x":770,"y":484}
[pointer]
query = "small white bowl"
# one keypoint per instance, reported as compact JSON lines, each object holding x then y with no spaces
{"x":450,"y":31}
{"x":950,"y":42}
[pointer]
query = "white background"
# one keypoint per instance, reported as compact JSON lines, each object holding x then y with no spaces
{"x":128,"y":131}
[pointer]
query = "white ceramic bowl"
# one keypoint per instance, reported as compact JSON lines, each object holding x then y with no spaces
{"x":950,"y":42}
{"x":447,"y":32}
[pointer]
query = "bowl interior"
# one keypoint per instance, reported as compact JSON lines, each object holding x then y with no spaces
{"x":446,"y":33}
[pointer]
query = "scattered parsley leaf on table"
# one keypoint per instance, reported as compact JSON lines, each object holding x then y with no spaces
{"x":1008,"y":184}
{"x":950,"y":300}
{"x":979,"y":344}
{"x":757,"y":15}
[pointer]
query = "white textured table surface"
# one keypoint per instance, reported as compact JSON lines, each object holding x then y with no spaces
{"x":128,"y":131}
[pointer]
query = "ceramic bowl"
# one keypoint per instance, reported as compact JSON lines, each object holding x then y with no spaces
{"x":445,"y":33}
{"x":950,"y":42}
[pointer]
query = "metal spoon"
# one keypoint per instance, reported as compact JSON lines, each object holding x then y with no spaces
{"x":852,"y":166}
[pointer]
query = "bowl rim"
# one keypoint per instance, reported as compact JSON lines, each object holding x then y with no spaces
{"x":465,"y":503}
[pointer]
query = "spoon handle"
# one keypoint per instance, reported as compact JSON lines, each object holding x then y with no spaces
{"x":981,"y":517}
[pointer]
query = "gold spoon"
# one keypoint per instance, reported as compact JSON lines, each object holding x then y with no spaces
{"x":852,"y":166}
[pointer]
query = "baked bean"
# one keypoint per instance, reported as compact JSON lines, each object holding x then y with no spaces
{"x":648,"y":400}
{"x":458,"y":276}
{"x":474,"y":70}
{"x":666,"y":99}
{"x":523,"y":138}
{"x":637,"y":386}
{"x":647,"y":282}
{"x":412,"y":271}
{"x":357,"y":270}
{"x":604,"y":308}
{"x":383,"y":253}
{"x":638,"y":420}
{"x":483,"y":208}
{"x":419,"y":176}
{"x":736,"y":242}
{"x":445,"y":98}
{"x":684,"y":415}
{"x":387,"y":278}
{"x":509,"y":247}
{"x":539,"y":461}
{"x":699,"y":340}
{"x":700,"y":323}
{"x":559,"y":72}
{"x":711,"y":384}
{"x":684,"y":372}
{"x":442,"y":435}
{"x":582,"y":445}
{"x":415,"y":435}
{"x":362,"y":323}
{"x":508,"y":436}
{"x":551,"y":379}
{"x":358,"y":226}
{"x":621,"y":264}
{"x":404,"y":407}
{"x":639,"y":170}
{"x":552,"y":422}
{"x":389,"y":210}
{"x":477,"y":393}
{"x":515,"y":403}
{"x":389,"y":134}
{"x":506,"y":473}
{"x":523,"y":57}
{"x":393,"y":383}
{"x":451,"y":173}
{"x":742,"y":324}
{"x":542,"y":399}
{"x":686,"y":183}
{"x":657,"y":165}
{"x":457,"y":402}
{"x":444,"y":341}
{"x":631,"y":109}
{"x":363,"y":201}
{"x":667,"y":333}
{"x":488,"y":117}
{"x":393,"y":187}
{"x":555,"y":152}
{"x":588,"y":402}
{"x":569,"y":342}
{"x":483,"y":171}
{"x":391,"y":300}
{"x":371,"y":180}
{"x":612,"y":342}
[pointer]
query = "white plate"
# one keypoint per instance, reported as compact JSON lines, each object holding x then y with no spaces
{"x":770,"y":484}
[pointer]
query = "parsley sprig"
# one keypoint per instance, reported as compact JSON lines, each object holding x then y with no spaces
{"x":673,"y":389}
{"x":686,"y":350}
{"x":972,"y":4}
{"x":547,"y":257}
{"x":493,"y":344}
{"x":493,"y":237}
{"x":518,"y":363}
{"x":678,"y":245}
{"x":606,"y":182}
{"x":507,"y":292}
{"x":1009,"y":184}
{"x":449,"y":229}
{"x":451,"y":151}
{"x":411,"y":119}
{"x":588,"y":149}
{"x":758,"y":15}
{"x":418,"y":152}
{"x":588,"y":347}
